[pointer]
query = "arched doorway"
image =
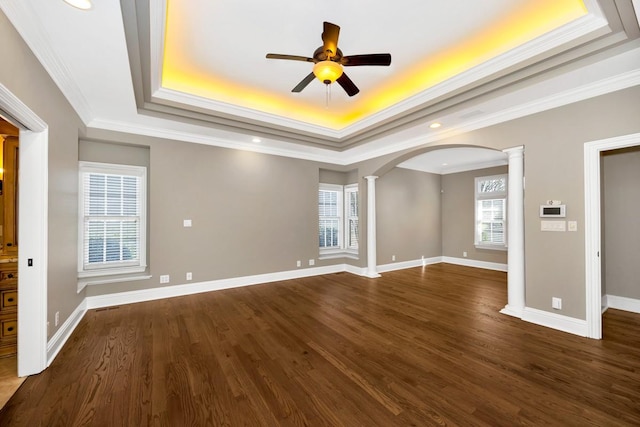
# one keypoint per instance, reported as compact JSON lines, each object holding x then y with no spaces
{"x":515,"y":225}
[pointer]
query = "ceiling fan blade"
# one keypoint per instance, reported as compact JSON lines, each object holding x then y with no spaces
{"x":383,"y":59}
{"x":290,"y":57}
{"x":347,"y":85}
{"x":330,"y":38}
{"x":304,"y":83}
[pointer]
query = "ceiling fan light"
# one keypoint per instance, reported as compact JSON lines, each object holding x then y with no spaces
{"x":327,"y":71}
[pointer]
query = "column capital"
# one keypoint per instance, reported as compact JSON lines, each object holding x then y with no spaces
{"x":514,"y":151}
{"x":371,"y":178}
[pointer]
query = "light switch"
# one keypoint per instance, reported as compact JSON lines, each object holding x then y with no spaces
{"x":553,"y":225}
{"x":187,"y":223}
{"x":573,"y":225}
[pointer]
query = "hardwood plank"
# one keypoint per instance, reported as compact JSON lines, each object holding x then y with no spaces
{"x":417,"y":347}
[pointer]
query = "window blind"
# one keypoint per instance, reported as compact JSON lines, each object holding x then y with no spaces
{"x":112,"y":217}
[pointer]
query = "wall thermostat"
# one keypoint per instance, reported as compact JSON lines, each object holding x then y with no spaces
{"x":553,"y":211}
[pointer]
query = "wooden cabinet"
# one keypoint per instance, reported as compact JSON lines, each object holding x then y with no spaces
{"x":10,"y":163}
{"x":8,"y":307}
{"x":9,"y":172}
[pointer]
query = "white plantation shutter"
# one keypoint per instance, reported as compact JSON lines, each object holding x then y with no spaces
{"x":338,"y":218}
{"x":329,"y":209}
{"x":492,"y":221}
{"x":112,"y":218}
{"x":491,"y":204}
{"x":351,"y":215}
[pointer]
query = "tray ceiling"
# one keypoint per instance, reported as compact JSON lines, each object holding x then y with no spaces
{"x":196,"y":71}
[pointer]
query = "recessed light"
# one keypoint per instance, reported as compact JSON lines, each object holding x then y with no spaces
{"x":435,"y":125}
{"x":445,"y":164}
{"x":80,"y":4}
{"x":256,"y":140}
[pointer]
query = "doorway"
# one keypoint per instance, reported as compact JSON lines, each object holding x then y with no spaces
{"x":32,"y":229}
{"x":620,"y":200}
{"x":9,"y":214}
{"x":593,"y":225}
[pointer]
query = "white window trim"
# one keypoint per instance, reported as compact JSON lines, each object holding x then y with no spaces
{"x":490,"y":196}
{"x":342,"y":251}
{"x":351,"y":188}
{"x":108,"y":168}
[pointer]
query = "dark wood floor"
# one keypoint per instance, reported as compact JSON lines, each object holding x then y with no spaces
{"x":418,"y":347}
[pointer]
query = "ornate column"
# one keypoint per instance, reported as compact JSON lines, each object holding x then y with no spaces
{"x":372,"y":270}
{"x":515,"y":234}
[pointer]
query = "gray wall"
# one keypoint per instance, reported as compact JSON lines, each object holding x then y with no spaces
{"x":458,"y":216}
{"x":553,"y":165}
{"x":23,"y":75}
{"x":255,"y":213}
{"x":123,"y":154}
{"x":408,"y":216}
{"x":251,"y":213}
{"x":621,"y":206}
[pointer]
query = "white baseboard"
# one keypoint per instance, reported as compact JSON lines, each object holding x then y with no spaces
{"x":555,"y":321}
{"x":121,"y":298}
{"x":55,"y":344}
{"x":131,"y":297}
{"x":622,"y":303}
{"x":474,"y":263}
{"x":408,"y":264}
{"x":358,"y":271}
{"x":57,"y":341}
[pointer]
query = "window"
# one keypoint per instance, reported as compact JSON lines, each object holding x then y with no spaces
{"x":112,"y":223}
{"x":351,"y":217}
{"x":338,"y":219}
{"x":491,"y":209}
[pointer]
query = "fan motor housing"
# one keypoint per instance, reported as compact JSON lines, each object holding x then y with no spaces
{"x":321,"y":55}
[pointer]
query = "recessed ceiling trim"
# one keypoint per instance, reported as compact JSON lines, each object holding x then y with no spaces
{"x":237,"y":110}
{"x":192,"y":115}
{"x":614,"y":82}
{"x":586,"y":28}
{"x":381,"y":148}
{"x":157,"y":27}
{"x":202,"y":137}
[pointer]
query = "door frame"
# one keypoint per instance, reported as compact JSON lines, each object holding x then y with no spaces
{"x":33,"y":231}
{"x":592,"y":225}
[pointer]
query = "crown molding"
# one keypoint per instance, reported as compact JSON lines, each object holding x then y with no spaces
{"x":601,"y":87}
{"x":621,"y":81}
{"x":586,"y":28}
{"x":187,"y":99}
{"x":592,"y":25}
{"x":20,"y":112}
{"x":296,"y":151}
{"x":23,"y":16}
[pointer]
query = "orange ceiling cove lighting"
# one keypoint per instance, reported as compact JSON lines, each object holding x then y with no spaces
{"x":202,"y":74}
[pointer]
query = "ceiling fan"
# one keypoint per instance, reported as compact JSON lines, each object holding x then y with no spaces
{"x":329,"y":60}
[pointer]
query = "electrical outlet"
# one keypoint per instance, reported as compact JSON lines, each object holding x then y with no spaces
{"x":464,"y":254}
{"x":189,"y":276}
{"x":186,"y":223}
{"x":393,"y":257}
{"x":556,"y":303}
{"x":57,"y":318}
{"x":164,"y":278}
{"x":298,"y":263}
{"x":312,"y":262}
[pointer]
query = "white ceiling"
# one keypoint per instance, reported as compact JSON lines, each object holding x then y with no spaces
{"x":453,"y":160}
{"x":107,"y":61}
